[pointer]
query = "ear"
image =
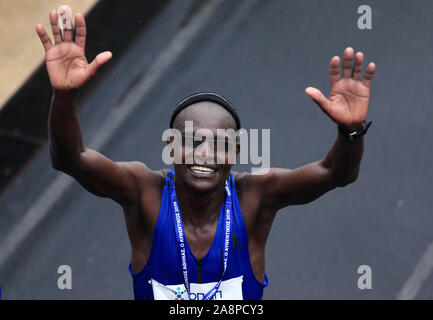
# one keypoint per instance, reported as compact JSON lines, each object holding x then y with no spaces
{"x":169,"y":140}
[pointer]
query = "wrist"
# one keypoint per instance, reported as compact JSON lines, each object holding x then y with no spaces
{"x":352,"y":127}
{"x":61,"y":93}
{"x":354,"y":132}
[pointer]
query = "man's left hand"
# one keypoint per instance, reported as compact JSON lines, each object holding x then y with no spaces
{"x":347,"y":104}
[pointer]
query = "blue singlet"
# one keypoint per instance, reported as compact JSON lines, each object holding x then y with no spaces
{"x":162,"y":277}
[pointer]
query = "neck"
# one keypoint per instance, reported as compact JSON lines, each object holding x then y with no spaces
{"x":199,"y":209}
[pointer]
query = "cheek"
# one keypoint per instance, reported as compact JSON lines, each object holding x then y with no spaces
{"x":221,"y":158}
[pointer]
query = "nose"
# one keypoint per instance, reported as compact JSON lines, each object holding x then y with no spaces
{"x":204,"y":152}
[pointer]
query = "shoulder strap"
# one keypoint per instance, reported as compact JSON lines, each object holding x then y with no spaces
{"x":169,"y":179}
{"x":232,"y":180}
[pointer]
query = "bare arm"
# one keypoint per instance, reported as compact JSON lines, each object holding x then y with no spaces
{"x":68,"y":71}
{"x":302,"y":185}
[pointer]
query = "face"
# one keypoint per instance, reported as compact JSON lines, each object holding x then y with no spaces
{"x":208,"y":166}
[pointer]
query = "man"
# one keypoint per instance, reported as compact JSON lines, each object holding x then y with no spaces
{"x":199,"y":231}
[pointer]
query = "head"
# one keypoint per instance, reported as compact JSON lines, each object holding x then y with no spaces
{"x":205,"y":161}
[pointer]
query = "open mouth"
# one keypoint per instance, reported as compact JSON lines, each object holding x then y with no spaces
{"x":202,"y":170}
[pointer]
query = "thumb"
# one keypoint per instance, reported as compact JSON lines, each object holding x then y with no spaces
{"x":319,"y":98}
{"x":99,"y":60}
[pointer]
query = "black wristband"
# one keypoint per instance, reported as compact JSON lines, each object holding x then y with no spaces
{"x":354,"y":134}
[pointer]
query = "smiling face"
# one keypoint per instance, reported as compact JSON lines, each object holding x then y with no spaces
{"x":209,"y":169}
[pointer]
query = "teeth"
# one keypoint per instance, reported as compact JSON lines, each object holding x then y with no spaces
{"x":201,"y":169}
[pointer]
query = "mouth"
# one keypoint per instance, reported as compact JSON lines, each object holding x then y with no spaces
{"x":202,"y":171}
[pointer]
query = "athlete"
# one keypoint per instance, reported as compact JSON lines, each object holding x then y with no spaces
{"x":198,"y":231}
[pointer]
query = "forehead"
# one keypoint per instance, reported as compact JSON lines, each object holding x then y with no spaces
{"x":207,"y":115}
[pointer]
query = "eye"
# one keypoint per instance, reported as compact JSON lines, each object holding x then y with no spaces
{"x":196,"y":143}
{"x":222,"y":144}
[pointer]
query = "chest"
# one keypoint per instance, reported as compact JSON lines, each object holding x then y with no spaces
{"x":200,"y":239}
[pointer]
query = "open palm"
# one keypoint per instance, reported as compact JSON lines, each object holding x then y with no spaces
{"x":347,"y":104}
{"x":66,"y":62}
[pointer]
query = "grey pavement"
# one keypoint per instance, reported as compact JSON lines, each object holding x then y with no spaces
{"x":261,"y":55}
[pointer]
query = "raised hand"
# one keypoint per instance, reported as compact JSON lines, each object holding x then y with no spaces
{"x":66,"y":62}
{"x":347,"y":104}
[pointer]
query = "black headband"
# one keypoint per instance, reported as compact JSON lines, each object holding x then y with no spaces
{"x":206,"y":96}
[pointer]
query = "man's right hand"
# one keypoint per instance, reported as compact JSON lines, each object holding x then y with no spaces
{"x":67,"y":65}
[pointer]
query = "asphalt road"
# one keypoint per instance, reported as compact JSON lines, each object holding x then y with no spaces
{"x":261,"y":55}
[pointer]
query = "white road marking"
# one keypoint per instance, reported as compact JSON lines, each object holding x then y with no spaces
{"x":419,"y":275}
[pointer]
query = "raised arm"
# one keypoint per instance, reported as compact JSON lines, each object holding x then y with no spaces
{"x":347,"y":106}
{"x":68,"y":71}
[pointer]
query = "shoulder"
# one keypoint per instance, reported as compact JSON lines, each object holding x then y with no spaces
{"x":262,"y":187}
{"x":258,"y":181}
{"x":148,"y":183}
{"x":142,"y":173}
{"x":250,"y":188}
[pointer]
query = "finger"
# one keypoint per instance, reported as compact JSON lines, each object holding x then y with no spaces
{"x":334,"y":70}
{"x":347,"y":62}
{"x":369,"y":74}
{"x":66,"y":17}
{"x":99,"y":60}
{"x":357,"y":66}
{"x":55,"y":27}
{"x":80,"y":30}
{"x":319,"y":98}
{"x":45,"y":39}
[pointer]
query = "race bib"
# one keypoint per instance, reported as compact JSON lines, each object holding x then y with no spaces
{"x":229,"y":290}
